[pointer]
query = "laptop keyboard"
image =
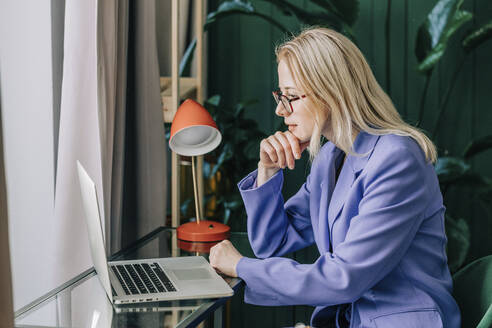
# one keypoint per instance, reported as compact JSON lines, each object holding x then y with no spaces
{"x":142,"y":278}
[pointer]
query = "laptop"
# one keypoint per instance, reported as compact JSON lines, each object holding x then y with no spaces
{"x":149,"y":280}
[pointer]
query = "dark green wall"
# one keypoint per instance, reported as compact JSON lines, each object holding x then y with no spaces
{"x":242,"y":66}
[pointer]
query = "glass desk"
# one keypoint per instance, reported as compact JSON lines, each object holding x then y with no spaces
{"x":82,"y":302}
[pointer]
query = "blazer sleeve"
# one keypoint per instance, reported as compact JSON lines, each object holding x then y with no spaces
{"x":390,"y":211}
{"x":275,"y":228}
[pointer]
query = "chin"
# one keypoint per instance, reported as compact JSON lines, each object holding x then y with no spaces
{"x":302,"y":137}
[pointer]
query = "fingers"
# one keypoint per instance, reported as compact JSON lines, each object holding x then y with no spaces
{"x":282,"y":149}
{"x":294,"y":144}
{"x":266,"y":147}
{"x":277,"y":145}
{"x":286,"y":150}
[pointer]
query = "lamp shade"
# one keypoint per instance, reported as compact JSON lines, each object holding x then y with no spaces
{"x":193,"y":131}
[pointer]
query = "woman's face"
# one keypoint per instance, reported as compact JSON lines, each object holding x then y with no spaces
{"x":300,"y":122}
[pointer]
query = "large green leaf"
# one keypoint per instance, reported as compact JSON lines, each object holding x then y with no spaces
{"x":477,"y":37}
{"x":228,"y":8}
{"x":449,"y":169}
{"x":458,"y":233}
{"x":478,"y":146}
{"x":348,"y":10}
{"x":320,"y":18}
{"x":433,"y":35}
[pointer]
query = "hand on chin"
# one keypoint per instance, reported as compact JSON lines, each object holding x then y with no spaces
{"x":303,"y":140}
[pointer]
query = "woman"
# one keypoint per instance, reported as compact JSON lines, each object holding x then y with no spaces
{"x":371,"y":202}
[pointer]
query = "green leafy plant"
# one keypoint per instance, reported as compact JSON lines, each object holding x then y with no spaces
{"x":432,"y":38}
{"x":433,"y":35}
{"x":470,"y":42}
{"x":337,"y":14}
{"x":340,"y":15}
{"x":454,"y":172}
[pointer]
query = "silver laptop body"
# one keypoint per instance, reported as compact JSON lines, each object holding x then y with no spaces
{"x":148,"y":280}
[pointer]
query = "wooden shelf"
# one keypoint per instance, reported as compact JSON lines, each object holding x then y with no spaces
{"x":173,"y":93}
{"x":187,"y":89}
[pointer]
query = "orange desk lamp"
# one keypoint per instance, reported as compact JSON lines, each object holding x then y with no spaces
{"x":194,"y":133}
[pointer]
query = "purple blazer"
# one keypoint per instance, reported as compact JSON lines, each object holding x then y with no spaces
{"x":379,"y":232}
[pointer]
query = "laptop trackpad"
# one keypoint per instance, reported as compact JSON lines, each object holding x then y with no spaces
{"x":192,"y":274}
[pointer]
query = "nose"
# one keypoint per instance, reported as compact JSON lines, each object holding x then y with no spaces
{"x":280,"y":110}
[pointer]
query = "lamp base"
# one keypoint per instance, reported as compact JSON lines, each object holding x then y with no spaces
{"x":204,"y":231}
{"x":196,"y":246}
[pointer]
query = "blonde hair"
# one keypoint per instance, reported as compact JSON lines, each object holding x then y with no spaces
{"x":341,"y":87}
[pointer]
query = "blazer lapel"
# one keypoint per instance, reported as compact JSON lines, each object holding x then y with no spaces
{"x":345,"y":180}
{"x":326,"y":160}
{"x":363,"y":147}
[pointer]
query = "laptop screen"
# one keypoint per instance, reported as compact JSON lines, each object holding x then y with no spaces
{"x":94,"y":228}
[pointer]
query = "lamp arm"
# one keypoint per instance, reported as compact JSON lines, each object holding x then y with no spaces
{"x":195,"y":189}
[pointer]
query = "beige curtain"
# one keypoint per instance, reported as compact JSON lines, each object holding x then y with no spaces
{"x":132,"y":135}
{"x":109,"y":65}
{"x":6,"y":305}
{"x":144,"y":178}
{"x":116,"y":165}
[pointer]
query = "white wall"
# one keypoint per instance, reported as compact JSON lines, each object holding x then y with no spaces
{"x":44,"y":252}
{"x":27,"y":113}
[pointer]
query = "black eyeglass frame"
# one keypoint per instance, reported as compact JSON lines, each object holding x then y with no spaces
{"x":279,"y":97}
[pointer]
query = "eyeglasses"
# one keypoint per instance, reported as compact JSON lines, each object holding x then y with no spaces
{"x":286,"y":102}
